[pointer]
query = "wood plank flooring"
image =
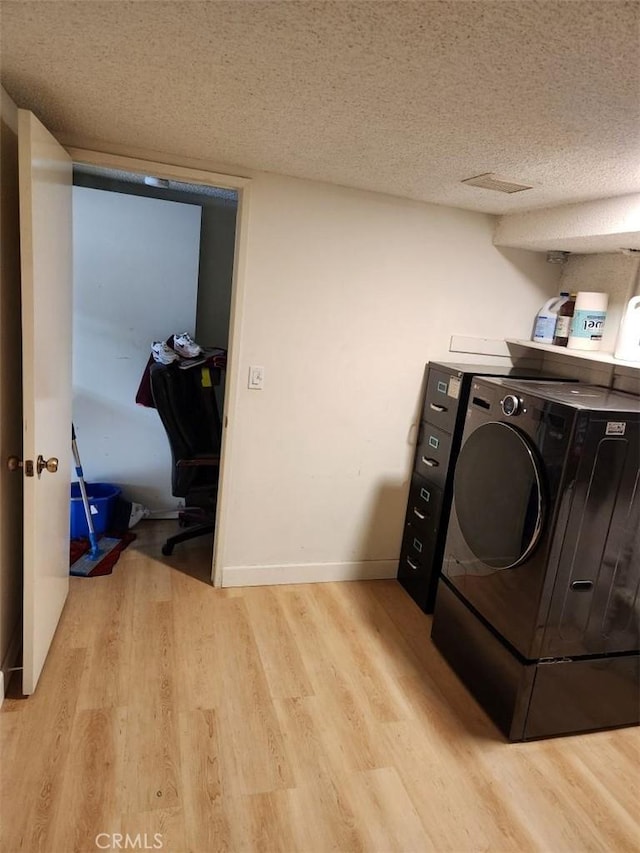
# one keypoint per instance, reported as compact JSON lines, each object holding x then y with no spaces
{"x":299,"y":719}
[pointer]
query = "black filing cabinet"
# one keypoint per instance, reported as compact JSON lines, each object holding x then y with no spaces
{"x":441,"y":424}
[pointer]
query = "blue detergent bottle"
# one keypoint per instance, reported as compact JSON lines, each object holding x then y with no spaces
{"x":545,"y":324}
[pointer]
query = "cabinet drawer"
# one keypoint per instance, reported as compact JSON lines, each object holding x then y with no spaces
{"x":415,"y":569}
{"x":424,"y":505}
{"x":432,"y":454}
{"x":417,"y":553}
{"x":442,"y":399}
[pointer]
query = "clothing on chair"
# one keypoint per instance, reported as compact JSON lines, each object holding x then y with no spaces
{"x":214,"y":357}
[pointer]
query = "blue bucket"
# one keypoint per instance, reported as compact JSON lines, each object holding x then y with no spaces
{"x":102,"y":497}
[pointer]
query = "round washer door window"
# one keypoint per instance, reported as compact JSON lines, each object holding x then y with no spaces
{"x":498,"y":495}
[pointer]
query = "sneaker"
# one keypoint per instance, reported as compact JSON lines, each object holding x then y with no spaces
{"x":162,"y":353}
{"x":186,"y":346}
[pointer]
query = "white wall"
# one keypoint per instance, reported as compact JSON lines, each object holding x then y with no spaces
{"x":135,"y":281}
{"x":348,"y":294}
{"x":10,"y":393}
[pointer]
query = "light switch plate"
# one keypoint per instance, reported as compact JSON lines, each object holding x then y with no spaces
{"x":256,"y":378}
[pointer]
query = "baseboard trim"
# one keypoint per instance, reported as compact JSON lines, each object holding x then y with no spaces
{"x":308,"y":573}
{"x":9,"y":662}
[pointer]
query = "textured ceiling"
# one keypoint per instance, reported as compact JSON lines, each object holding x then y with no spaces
{"x":407,"y":98}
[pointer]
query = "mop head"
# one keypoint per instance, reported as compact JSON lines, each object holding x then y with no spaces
{"x":102,"y":563}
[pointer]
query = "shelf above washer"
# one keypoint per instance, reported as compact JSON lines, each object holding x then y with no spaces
{"x":584,"y":355}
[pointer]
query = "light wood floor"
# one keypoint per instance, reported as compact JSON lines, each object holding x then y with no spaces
{"x":295,"y":718}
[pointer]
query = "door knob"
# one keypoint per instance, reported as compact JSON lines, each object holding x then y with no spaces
{"x":51,"y":465}
{"x":13,"y":463}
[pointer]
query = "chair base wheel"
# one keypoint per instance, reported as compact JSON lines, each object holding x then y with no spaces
{"x":192,"y":532}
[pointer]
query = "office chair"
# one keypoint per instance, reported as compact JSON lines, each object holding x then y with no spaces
{"x":186,"y":404}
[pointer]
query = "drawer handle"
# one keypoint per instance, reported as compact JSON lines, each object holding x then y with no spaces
{"x":419,"y":514}
{"x":432,"y":463}
{"x":413,"y":565}
{"x":437,"y":408}
{"x":580,"y":586}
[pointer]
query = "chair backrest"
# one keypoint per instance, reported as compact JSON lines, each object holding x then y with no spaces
{"x":186,"y":404}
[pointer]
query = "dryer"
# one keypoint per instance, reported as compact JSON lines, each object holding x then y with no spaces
{"x":538,"y":606}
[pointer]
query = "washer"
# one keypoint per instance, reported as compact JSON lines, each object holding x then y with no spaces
{"x":538,"y":608}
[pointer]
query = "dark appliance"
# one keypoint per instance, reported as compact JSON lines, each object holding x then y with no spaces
{"x":539,"y":601}
{"x":440,"y":432}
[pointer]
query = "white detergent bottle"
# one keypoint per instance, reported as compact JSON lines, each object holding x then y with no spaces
{"x":546,"y":319}
{"x":628,"y":342}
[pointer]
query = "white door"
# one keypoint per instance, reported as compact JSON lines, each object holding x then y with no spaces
{"x":45,"y":181}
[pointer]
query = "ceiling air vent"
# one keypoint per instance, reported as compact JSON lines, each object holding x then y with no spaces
{"x":489,"y":181}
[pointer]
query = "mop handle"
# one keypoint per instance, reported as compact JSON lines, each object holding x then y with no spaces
{"x":83,"y":490}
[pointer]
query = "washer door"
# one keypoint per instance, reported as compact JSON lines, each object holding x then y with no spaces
{"x":498,"y":495}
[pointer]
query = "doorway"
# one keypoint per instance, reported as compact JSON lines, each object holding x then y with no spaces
{"x":203,"y":297}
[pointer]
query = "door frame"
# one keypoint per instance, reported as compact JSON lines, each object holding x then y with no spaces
{"x":242,"y":185}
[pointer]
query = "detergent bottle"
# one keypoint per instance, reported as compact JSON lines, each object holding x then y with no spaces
{"x":546,"y":319}
{"x":628,"y":342}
